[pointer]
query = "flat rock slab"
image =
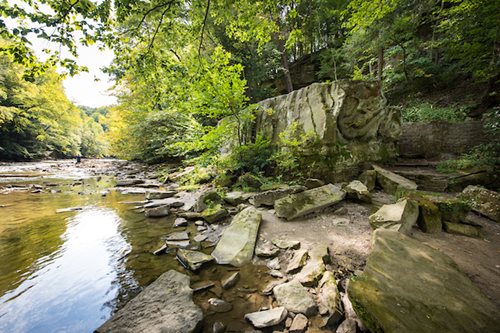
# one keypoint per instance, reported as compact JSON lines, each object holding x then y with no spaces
{"x":237,"y":243}
{"x":410,"y":287}
{"x":165,"y":306}
{"x":295,"y":298}
{"x":268,"y":198}
{"x":300,"y":204}
{"x":401,"y":216}
{"x":391,"y":182}
{"x":267,"y":318}
{"x":193,"y":259}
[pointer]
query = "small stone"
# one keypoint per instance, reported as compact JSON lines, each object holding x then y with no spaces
{"x":180,"y":222}
{"x":286,"y":244}
{"x":266,"y":249}
{"x":288,"y":322}
{"x":219,"y":305}
{"x":231,"y":280}
{"x":270,"y":286}
{"x":299,"y":259}
{"x":274,"y":264}
{"x":299,"y":324}
{"x":202,"y":286}
{"x":201,"y":228}
{"x":200,"y":238}
{"x":218,"y":327}
{"x":199,"y":223}
{"x":276,"y":274}
{"x":347,"y":326}
{"x":341,"y":211}
{"x":262,"y":319}
{"x":161,"y":250}
{"x":193,"y":259}
{"x":177,"y":236}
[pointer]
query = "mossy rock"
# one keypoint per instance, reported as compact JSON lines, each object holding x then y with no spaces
{"x":429,"y":219}
{"x":463,"y":229}
{"x":214,"y":214}
{"x":250,"y":182}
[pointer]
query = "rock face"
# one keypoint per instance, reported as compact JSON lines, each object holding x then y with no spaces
{"x":400,"y":216}
{"x":353,"y":113}
{"x":165,"y":306}
{"x":410,"y":287}
{"x":296,"y":205}
{"x":295,"y":298}
{"x":237,"y":243}
{"x":391,"y":182}
{"x":483,"y":201}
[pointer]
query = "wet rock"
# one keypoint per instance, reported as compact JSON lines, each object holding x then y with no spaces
{"x":200,"y":238}
{"x":154,"y":195}
{"x":214,"y":214}
{"x":358,"y":191}
{"x":268,"y":198}
{"x":206,"y":199}
{"x":161,"y":250}
{"x":237,"y":243}
{"x":268,"y":318}
{"x":299,"y":324}
{"x":266,"y":250}
{"x":286,"y":244}
{"x":129,"y":182}
{"x":295,"y":298}
{"x":218,"y":327}
{"x":368,"y":178}
{"x":311,"y":183}
{"x":300,"y":204}
{"x":425,"y":292}
{"x":312,"y":272}
{"x":157,"y":211}
{"x":231,"y":280}
{"x":483,"y":201}
{"x":219,"y":305}
{"x":170,"y":202}
{"x":180,"y":222}
{"x":193,"y":259}
{"x":400,"y":216}
{"x":237,"y":197}
{"x":177,"y":236}
{"x":347,"y":326}
{"x":392,"y":182}
{"x":164,"y":306}
{"x":298,"y":260}
{"x":183,"y":244}
{"x":463,"y":229}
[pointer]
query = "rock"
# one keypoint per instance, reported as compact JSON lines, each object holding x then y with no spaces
{"x":266,"y":250}
{"x":368,"y":178}
{"x":262,"y":319}
{"x":193,"y":259}
{"x":170,"y":202}
{"x":315,"y":267}
{"x":311,"y":183}
{"x":295,"y":298}
{"x":249,"y":181}
{"x":164,"y":306}
{"x":300,"y":204}
{"x":341,"y":211}
{"x":401,"y":216}
{"x":157,"y":211}
{"x":275,"y":273}
{"x":231,"y":281}
{"x":463,"y":229}
{"x":237,"y":243}
{"x":483,"y":201}
{"x":392,"y":182}
{"x":425,"y":292}
{"x":268,"y":198}
{"x":299,"y":324}
{"x":347,"y":326}
{"x":178,"y":244}
{"x":219,"y":305}
{"x":214,"y":214}
{"x":298,"y":260}
{"x":349,"y":310}
{"x":161,"y":250}
{"x":268,"y":289}
{"x":218,"y":327}
{"x":237,"y":197}
{"x":328,"y":296}
{"x":199,"y":223}
{"x":202,"y":286}
{"x":288,"y":322}
{"x":129,"y":182}
{"x":206,"y":199}
{"x":153,"y":195}
{"x":180,"y":222}
{"x":358,"y":191}
{"x":429,"y":218}
{"x":200,"y":238}
{"x":286,"y":244}
{"x":274,"y":264}
{"x":201,"y":228}
{"x":177,"y":236}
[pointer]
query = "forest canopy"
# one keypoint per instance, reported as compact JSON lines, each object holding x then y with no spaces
{"x":187,"y":72}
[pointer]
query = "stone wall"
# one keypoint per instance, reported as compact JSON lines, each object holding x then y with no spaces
{"x":431,"y":140}
{"x":348,"y":113}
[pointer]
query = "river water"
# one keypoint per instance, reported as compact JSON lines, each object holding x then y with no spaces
{"x":67,"y":272}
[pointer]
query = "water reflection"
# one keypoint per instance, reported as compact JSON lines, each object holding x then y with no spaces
{"x":65,"y":289}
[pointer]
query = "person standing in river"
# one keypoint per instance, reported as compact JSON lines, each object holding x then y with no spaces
{"x":78,"y":158}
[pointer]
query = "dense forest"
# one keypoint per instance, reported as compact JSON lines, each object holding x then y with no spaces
{"x":188,"y":72}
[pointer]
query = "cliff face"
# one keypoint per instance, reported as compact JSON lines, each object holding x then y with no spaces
{"x":348,"y":113}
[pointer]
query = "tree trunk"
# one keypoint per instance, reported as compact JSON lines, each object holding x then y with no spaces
{"x":380,"y":64}
{"x":285,"y":66}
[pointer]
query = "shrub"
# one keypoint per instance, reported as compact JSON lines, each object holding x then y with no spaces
{"x":427,"y":112}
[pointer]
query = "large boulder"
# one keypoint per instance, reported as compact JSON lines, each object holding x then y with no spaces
{"x":409,"y":287}
{"x":165,"y":306}
{"x":300,"y":204}
{"x":351,"y":113}
{"x":483,"y":201}
{"x":392,"y":182}
{"x":237,"y":243}
{"x":401,"y":216}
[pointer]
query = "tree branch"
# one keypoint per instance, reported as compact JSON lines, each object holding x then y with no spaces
{"x":203,"y":26}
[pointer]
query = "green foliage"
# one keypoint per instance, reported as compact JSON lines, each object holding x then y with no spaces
{"x":427,"y":112}
{"x":254,"y":157}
